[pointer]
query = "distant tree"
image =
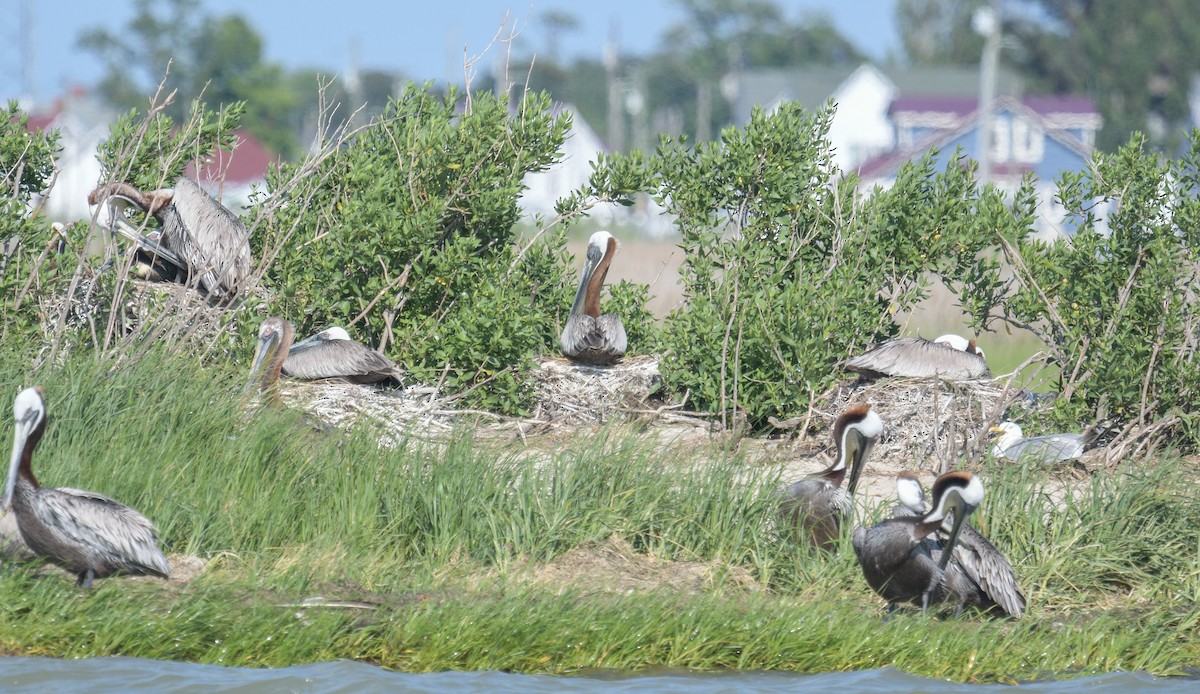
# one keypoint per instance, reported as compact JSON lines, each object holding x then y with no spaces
{"x":218,"y":58}
{"x":938,"y":32}
{"x":1137,"y":60}
{"x":557,"y":23}
{"x":721,"y":35}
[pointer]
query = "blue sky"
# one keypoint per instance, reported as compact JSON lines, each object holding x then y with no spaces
{"x":425,"y":40}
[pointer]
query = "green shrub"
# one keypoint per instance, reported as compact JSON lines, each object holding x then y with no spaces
{"x":1116,"y":304}
{"x":786,"y":273}
{"x":407,"y":233}
{"x":28,"y":259}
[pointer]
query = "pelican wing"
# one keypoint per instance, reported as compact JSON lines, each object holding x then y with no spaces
{"x":1050,"y":448}
{"x":594,"y":340}
{"x":989,"y":569}
{"x":208,"y":237}
{"x":346,"y":359}
{"x":918,"y":358}
{"x":118,"y":534}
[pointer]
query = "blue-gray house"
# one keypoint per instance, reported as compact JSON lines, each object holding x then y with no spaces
{"x":1041,"y":135}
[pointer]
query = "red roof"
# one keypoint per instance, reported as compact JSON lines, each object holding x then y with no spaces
{"x":247,"y":163}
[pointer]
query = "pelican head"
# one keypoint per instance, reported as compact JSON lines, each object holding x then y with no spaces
{"x":29,"y":411}
{"x":334,"y":333}
{"x":908,"y":490}
{"x":960,"y":343}
{"x":601,"y":247}
{"x":854,"y":432}
{"x":959,"y":493}
{"x":274,"y":338}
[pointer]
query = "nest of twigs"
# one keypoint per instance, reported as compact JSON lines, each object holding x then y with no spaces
{"x":570,"y":393}
{"x":929,"y":423}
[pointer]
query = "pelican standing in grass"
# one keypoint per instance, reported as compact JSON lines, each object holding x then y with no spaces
{"x":916,"y":357}
{"x":200,"y":236}
{"x":978,"y":574}
{"x":328,"y":354}
{"x":895,"y":557}
{"x":816,"y":506}
{"x":1050,"y":448}
{"x":86,"y":533}
{"x":592,"y":338}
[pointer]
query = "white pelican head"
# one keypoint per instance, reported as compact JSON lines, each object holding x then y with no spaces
{"x":960,"y":343}
{"x":29,"y":411}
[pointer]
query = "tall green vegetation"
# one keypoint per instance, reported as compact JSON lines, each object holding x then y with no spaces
{"x":786,"y":271}
{"x":440,"y":541}
{"x":26,"y":243}
{"x":1116,"y":306}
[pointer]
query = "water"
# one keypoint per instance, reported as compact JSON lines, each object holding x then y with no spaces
{"x":139,"y":675}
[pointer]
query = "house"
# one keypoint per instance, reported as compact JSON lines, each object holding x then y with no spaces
{"x":82,"y":124}
{"x":230,"y":176}
{"x":581,"y":148}
{"x":1045,"y":136}
{"x":861,"y":127}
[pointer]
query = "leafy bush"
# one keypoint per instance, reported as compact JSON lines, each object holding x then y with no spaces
{"x":786,"y":273}
{"x":1116,"y":305}
{"x":407,"y":233}
{"x":26,"y":258}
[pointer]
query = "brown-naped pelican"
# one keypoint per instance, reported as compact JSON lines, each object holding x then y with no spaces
{"x":816,"y":506}
{"x":895,"y":558}
{"x":328,"y":354}
{"x":916,"y":357}
{"x":199,"y":235}
{"x":978,"y":574}
{"x":960,"y":343}
{"x":86,"y":533}
{"x":591,"y":338}
{"x":1046,"y":449}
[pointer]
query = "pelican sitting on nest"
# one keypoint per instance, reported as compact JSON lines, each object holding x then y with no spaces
{"x":200,"y":237}
{"x":895,"y":557}
{"x":589,"y":337}
{"x":978,"y":574}
{"x":328,"y":354}
{"x":86,"y":533}
{"x":816,"y":506}
{"x":916,"y":357}
{"x":1049,"y":448}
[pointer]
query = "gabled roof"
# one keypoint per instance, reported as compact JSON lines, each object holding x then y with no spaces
{"x":812,"y":86}
{"x":891,"y":161}
{"x":246,"y":164}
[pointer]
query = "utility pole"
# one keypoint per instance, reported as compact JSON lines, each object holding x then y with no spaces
{"x":616,"y":100}
{"x":986,"y":22}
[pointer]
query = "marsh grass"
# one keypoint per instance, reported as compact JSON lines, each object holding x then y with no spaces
{"x":439,"y":540}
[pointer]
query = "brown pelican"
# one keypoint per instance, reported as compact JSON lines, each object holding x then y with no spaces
{"x":960,"y":343}
{"x":978,"y":574}
{"x":917,"y":357}
{"x":328,"y":354}
{"x":86,"y":533}
{"x":816,"y":506}
{"x":895,"y":558}
{"x":1050,"y":448}
{"x":591,"y":338}
{"x":199,"y":235}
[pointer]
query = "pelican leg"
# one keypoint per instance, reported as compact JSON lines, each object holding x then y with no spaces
{"x":85,"y":579}
{"x":891,"y":609}
{"x":925,"y":601}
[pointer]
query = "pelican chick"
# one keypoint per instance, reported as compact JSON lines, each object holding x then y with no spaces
{"x":1049,"y":448}
{"x":816,"y":506}
{"x":200,"y":236}
{"x":895,"y":557}
{"x":328,"y":354}
{"x":86,"y":533}
{"x":978,"y":574}
{"x":589,"y":337}
{"x":916,"y":357}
